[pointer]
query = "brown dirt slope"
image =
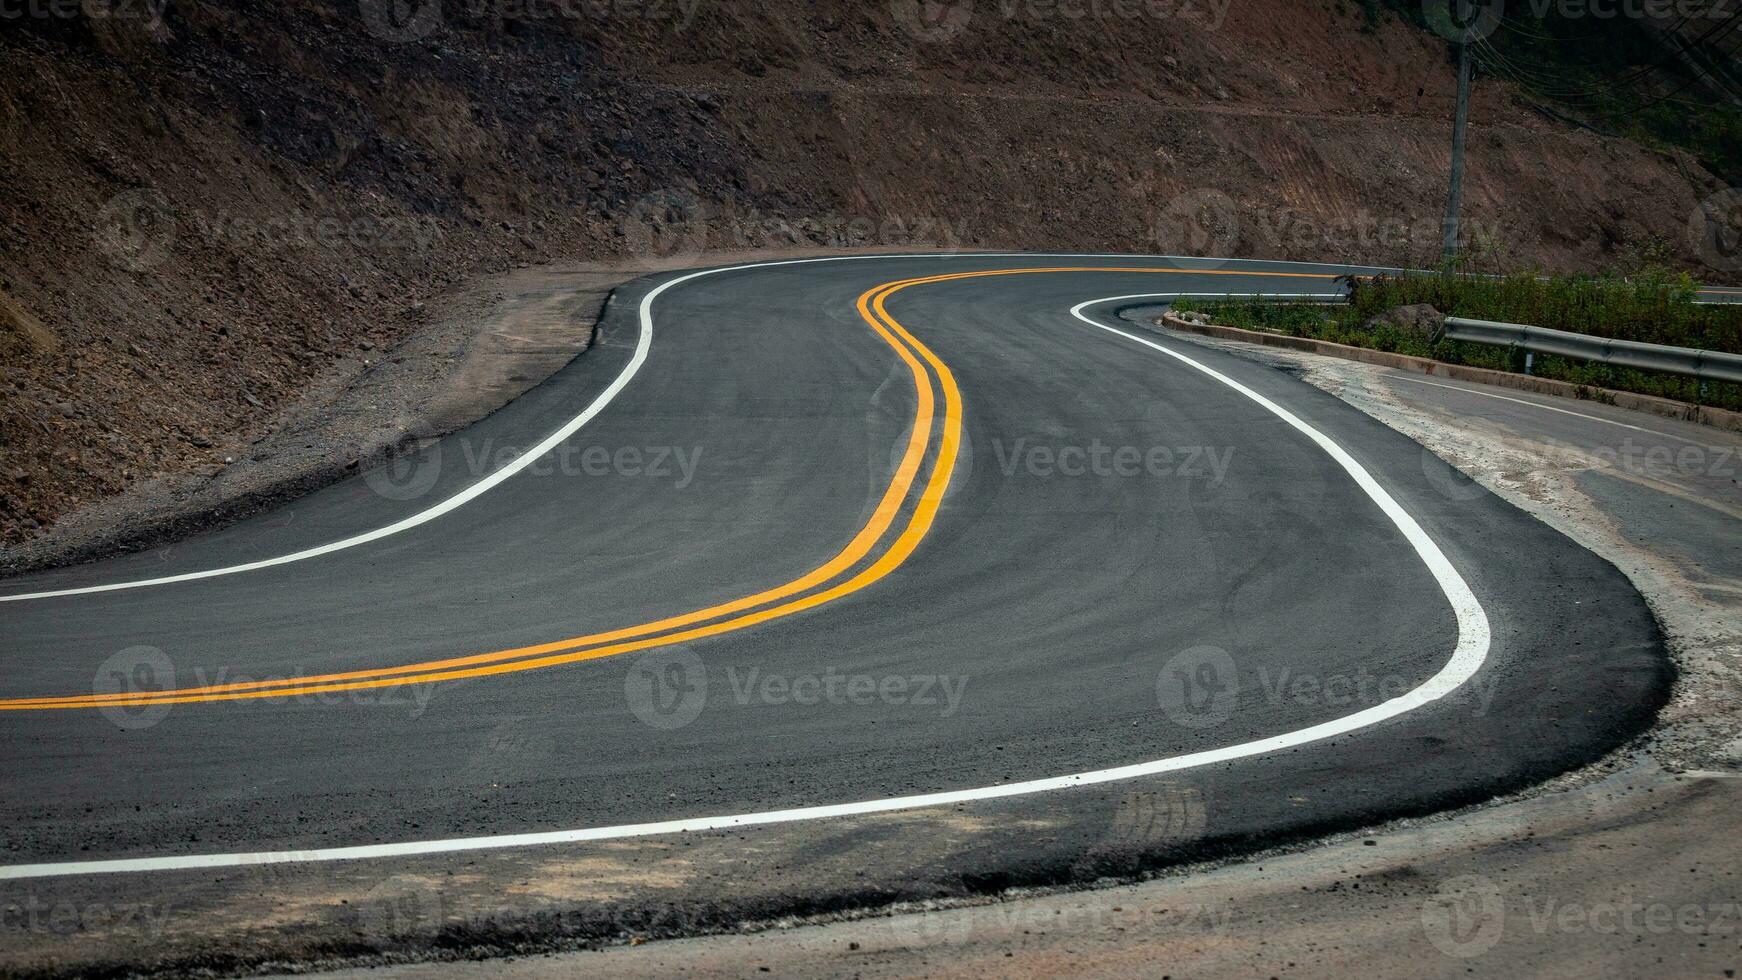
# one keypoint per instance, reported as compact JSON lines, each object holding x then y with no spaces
{"x":207,"y":203}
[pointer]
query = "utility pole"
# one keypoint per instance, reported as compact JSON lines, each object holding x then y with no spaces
{"x":1460,"y":120}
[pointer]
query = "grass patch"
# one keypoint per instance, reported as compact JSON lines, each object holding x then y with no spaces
{"x":1653,"y":307}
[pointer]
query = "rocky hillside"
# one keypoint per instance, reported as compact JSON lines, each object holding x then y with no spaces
{"x":207,"y":203}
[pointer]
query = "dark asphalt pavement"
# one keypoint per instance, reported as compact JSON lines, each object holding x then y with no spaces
{"x":1113,"y":509}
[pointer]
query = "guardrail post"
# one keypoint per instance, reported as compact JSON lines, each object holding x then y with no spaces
{"x":1703,"y":365}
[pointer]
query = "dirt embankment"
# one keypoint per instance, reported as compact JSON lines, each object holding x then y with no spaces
{"x":209,"y":205}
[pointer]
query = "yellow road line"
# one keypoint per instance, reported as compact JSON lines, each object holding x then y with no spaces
{"x":535,"y":657}
{"x":890,"y":505}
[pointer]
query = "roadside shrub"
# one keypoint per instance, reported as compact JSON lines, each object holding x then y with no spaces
{"x":1653,"y":306}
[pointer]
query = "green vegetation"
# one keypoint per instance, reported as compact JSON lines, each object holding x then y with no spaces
{"x":1617,"y":74}
{"x":1652,"y":306}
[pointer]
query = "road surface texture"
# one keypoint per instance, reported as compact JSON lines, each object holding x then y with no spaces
{"x":918,"y":575}
{"x":1626,"y":868}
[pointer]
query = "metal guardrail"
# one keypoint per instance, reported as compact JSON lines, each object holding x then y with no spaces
{"x":1702,"y":364}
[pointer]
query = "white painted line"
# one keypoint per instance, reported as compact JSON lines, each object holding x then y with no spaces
{"x":1546,"y":408}
{"x":643,"y":343}
{"x":1466,"y":659}
{"x":555,"y":439}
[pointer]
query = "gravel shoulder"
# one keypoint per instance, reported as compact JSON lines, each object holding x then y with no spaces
{"x":1623,"y":877}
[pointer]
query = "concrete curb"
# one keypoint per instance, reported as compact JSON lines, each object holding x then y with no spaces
{"x":1666,"y":407}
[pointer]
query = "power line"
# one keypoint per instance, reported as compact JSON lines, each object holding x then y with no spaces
{"x":1548,"y":84}
{"x":1692,"y":80}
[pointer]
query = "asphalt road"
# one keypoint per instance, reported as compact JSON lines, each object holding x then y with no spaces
{"x":1134,"y":560}
{"x":1627,"y":842}
{"x":1669,"y":486}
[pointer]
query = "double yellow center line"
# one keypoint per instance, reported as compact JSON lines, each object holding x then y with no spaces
{"x":743,"y":612}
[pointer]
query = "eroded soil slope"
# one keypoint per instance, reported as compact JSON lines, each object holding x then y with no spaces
{"x":208,"y":205}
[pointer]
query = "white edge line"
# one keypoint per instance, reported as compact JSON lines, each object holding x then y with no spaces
{"x":1546,"y":408}
{"x":643,"y":344}
{"x":1468,"y":657}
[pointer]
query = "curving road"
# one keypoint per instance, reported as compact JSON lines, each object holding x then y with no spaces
{"x":818,"y":537}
